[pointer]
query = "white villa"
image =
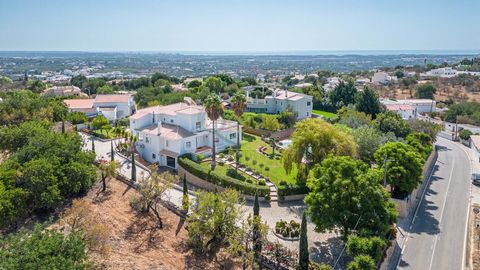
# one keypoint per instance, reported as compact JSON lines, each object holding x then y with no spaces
{"x":381,"y":77}
{"x":166,"y":132}
{"x":281,"y":100}
{"x":113,"y":107}
{"x":409,"y":108}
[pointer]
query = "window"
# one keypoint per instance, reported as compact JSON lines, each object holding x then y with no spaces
{"x":233,"y":136}
{"x":166,"y":143}
{"x":188,"y":144}
{"x":198,"y":125}
{"x":171,"y":120}
{"x":147,"y":140}
{"x":154,"y":156}
{"x":308,"y":114}
{"x":308,"y":103}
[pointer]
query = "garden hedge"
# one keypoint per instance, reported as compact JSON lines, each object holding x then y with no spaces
{"x":222,"y":180}
{"x":285,"y":190}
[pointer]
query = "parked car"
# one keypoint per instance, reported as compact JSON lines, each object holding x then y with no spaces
{"x":476,"y":179}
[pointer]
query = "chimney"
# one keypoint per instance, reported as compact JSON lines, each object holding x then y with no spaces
{"x":159,"y":127}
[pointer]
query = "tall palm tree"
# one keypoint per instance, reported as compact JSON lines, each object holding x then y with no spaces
{"x":239,"y":103}
{"x":214,"y":109}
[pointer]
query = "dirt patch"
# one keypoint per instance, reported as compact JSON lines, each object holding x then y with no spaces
{"x":135,"y":241}
{"x":474,"y":237}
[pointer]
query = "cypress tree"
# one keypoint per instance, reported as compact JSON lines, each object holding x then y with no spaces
{"x":134,"y":168}
{"x":257,"y":246}
{"x":112,"y":153}
{"x":63,"y":126}
{"x":93,"y":144}
{"x":256,"y":206}
{"x":303,"y":249}
{"x":185,"y":201}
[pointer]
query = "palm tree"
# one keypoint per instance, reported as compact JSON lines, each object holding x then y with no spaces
{"x":239,"y":103}
{"x":273,"y":144}
{"x":214,"y":109}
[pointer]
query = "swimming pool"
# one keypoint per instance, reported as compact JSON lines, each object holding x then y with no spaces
{"x":284,"y":144}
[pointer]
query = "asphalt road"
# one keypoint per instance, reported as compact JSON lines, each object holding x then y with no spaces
{"x":436,"y":239}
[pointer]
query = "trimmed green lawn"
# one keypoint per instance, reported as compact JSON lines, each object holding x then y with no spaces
{"x":222,"y":169}
{"x":276,"y":172}
{"x":325,"y":114}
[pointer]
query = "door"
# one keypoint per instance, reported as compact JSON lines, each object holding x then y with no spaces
{"x":171,"y":162}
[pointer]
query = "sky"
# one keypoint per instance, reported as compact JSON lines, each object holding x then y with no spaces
{"x":239,"y":26}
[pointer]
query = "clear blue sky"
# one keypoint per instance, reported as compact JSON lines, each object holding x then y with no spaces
{"x":223,"y":25}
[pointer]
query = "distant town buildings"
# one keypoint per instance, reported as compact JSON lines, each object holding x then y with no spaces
{"x":113,"y":107}
{"x":282,"y":100}
{"x":166,"y":132}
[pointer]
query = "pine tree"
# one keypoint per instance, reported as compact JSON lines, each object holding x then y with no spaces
{"x":112,"y":153}
{"x":303,"y":249}
{"x":93,"y":144}
{"x":185,"y":199}
{"x":134,"y":168}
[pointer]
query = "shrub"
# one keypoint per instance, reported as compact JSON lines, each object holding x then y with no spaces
{"x":234,"y":174}
{"x":287,"y":229}
{"x":267,"y":168}
{"x":222,"y":155}
{"x":230,"y":158}
{"x":289,"y":189}
{"x":283,"y":183}
{"x":135,"y":203}
{"x":222,"y":180}
{"x":254,"y":162}
{"x":247,"y":159}
{"x":221,"y":162}
{"x":372,"y":247}
{"x":249,"y":180}
{"x":262,"y":182}
{"x":199,"y":157}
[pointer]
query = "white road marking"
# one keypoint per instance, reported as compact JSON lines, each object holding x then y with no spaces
{"x":441,"y":215}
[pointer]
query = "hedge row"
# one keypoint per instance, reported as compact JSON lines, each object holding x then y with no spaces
{"x":285,"y":190}
{"x":222,"y":180}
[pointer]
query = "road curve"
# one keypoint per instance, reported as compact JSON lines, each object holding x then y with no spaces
{"x":436,"y":239}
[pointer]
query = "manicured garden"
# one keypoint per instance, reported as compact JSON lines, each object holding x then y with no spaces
{"x":325,"y":114}
{"x":220,"y":177}
{"x":270,"y":167}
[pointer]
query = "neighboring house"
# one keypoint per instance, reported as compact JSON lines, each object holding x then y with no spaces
{"x":404,"y":110}
{"x":446,"y":72}
{"x":382,"y":78}
{"x":82,"y":105}
{"x":421,"y":105}
{"x":410,"y":108}
{"x":123,"y":104}
{"x":331,"y":83}
{"x":166,"y":132}
{"x":113,"y":107}
{"x":64,"y":91}
{"x":280,"y":101}
{"x":303,"y":85}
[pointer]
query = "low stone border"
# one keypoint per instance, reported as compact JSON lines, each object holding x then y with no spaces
{"x":292,"y":239}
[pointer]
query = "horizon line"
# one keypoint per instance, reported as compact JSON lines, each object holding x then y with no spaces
{"x":265,"y":52}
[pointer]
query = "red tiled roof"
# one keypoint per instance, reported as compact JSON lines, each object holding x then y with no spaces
{"x":399,"y":107}
{"x":79,"y":103}
{"x":112,"y":98}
